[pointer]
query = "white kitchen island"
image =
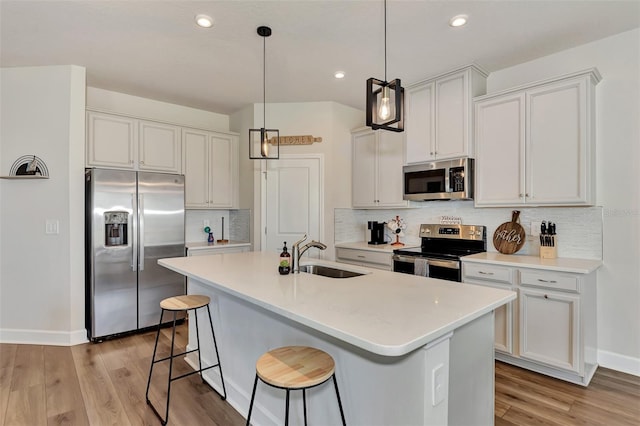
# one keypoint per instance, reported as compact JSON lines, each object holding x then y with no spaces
{"x":408,"y":350}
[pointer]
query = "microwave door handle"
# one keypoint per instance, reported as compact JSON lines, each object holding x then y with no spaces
{"x":447,"y":180}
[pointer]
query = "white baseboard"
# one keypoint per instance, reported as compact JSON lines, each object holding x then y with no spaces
{"x":43,"y":337}
{"x":618,"y":362}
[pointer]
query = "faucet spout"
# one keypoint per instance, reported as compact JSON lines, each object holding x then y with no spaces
{"x":299,"y":251}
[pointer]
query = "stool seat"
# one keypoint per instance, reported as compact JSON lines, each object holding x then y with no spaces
{"x":185,"y":302}
{"x":295,"y":367}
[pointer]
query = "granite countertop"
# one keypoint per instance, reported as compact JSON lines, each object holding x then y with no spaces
{"x":560,"y":264}
{"x":382,"y":312}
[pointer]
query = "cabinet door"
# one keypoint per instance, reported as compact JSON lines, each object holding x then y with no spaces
{"x":499,"y":137}
{"x":556,"y":148}
{"x":420,"y":124}
{"x":159,"y":147}
{"x":363,"y":169}
{"x":110,"y":141}
{"x":195,"y":146}
{"x":389,"y":182}
{"x":452,"y":105}
{"x":222,"y":160}
{"x":549,"y":328}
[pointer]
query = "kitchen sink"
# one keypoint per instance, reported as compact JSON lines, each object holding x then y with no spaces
{"x":327,"y":271}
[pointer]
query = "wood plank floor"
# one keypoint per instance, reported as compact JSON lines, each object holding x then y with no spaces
{"x":104,"y":384}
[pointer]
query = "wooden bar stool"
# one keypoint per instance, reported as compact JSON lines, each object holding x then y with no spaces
{"x":295,"y":368}
{"x":177,"y":304}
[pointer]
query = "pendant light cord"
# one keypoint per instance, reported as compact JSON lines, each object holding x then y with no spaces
{"x":264,"y":82}
{"x":385,"y":41}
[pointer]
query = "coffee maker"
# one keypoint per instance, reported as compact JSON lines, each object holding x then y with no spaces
{"x":377,"y":232}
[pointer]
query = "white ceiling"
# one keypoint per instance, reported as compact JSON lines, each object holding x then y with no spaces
{"x":153,"y":49}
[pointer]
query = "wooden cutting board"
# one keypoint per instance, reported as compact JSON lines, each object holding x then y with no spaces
{"x":510,"y":236}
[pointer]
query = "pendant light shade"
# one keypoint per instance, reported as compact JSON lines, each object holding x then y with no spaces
{"x":385,"y":99}
{"x":264,"y":144}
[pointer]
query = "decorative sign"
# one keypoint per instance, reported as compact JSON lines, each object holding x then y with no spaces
{"x":510,"y":236}
{"x":296,"y":140}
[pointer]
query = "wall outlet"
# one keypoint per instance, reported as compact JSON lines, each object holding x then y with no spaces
{"x":535,"y":228}
{"x":52,"y":227}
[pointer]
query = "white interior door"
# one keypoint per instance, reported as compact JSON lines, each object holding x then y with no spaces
{"x":293,"y":202}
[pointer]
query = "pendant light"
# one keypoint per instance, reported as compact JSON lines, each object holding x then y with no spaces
{"x":385,"y":100}
{"x":259,"y":139}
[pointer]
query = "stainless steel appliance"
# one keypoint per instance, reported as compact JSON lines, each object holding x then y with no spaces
{"x":439,"y":180}
{"x":132,"y":220}
{"x":377,"y":232}
{"x":440,"y":251}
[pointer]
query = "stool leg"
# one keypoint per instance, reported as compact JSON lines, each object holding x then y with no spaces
{"x":215,"y":346}
{"x":195,"y":314}
{"x":304,"y":405}
{"x":153,"y":358}
{"x":335,"y":383}
{"x":253,"y":395}
{"x":286,"y":414}
{"x":173,"y":339}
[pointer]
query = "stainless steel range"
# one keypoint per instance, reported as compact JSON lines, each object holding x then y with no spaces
{"x":440,"y":251}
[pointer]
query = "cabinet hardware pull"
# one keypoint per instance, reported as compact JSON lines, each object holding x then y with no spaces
{"x":545,"y":281}
{"x":546,"y":297}
{"x":520,"y":195}
{"x":361,"y":257}
{"x":526,"y":195}
{"x":485,"y":273}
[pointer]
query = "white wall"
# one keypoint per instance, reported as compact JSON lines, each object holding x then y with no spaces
{"x":108,"y":101}
{"x":330,"y":121}
{"x":618,"y":181}
{"x":42,"y":276}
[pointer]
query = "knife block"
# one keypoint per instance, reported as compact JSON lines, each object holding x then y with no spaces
{"x":549,"y":252}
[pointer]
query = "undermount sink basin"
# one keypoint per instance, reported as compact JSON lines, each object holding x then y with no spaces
{"x":327,"y":271}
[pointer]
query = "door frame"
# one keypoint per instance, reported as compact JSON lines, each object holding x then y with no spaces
{"x":263,"y":193}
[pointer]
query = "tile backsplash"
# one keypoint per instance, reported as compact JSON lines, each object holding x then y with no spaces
{"x":579,"y":229}
{"x":236,"y":224}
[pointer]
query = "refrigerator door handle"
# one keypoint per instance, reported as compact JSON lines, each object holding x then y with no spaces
{"x":134,"y":232}
{"x":141,"y":232}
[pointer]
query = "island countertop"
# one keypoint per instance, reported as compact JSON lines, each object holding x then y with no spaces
{"x":386,"y":313}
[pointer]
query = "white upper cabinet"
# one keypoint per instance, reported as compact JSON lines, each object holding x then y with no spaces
{"x":438,"y":115}
{"x":115,"y":141}
{"x":535,"y":145}
{"x":377,"y":169}
{"x":159,"y":147}
{"x":210,"y":166}
{"x":111,"y":141}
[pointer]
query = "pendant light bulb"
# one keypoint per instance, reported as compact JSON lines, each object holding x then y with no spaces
{"x":264,"y":144}
{"x":384,"y":112}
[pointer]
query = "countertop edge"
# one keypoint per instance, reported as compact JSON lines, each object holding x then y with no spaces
{"x":570,"y":265}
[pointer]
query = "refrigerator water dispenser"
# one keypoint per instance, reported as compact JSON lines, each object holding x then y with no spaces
{"x":115,"y":228}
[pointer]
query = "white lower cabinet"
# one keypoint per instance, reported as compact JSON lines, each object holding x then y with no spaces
{"x":550,"y":324}
{"x":551,"y":327}
{"x":367,"y":258}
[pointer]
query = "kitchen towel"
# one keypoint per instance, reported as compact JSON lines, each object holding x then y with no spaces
{"x":421,"y":267}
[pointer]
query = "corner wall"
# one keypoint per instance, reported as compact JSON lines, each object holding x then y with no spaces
{"x":42,"y":275}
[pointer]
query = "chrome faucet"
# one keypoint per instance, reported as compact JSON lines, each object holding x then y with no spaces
{"x":297,"y":252}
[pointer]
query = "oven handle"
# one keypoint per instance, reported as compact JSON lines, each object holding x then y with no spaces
{"x":450,"y":264}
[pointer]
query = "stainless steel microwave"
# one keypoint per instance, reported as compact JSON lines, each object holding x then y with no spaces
{"x":439,"y":180}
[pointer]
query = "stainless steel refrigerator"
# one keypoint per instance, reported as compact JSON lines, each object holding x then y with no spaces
{"x":132,"y":220}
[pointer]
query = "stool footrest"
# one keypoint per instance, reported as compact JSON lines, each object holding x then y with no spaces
{"x":174,"y":356}
{"x":194,"y":372}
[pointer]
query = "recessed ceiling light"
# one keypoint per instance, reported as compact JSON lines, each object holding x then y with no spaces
{"x":339,"y":74}
{"x":458,"y":20}
{"x":204,"y":21}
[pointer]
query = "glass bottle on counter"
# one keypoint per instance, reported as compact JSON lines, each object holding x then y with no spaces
{"x":285,"y":261}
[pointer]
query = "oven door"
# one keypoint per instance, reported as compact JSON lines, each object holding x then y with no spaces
{"x":438,"y":268}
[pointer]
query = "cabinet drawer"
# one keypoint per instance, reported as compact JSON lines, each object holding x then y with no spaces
{"x":488,"y":272}
{"x":364,"y":256}
{"x":549,"y":280}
